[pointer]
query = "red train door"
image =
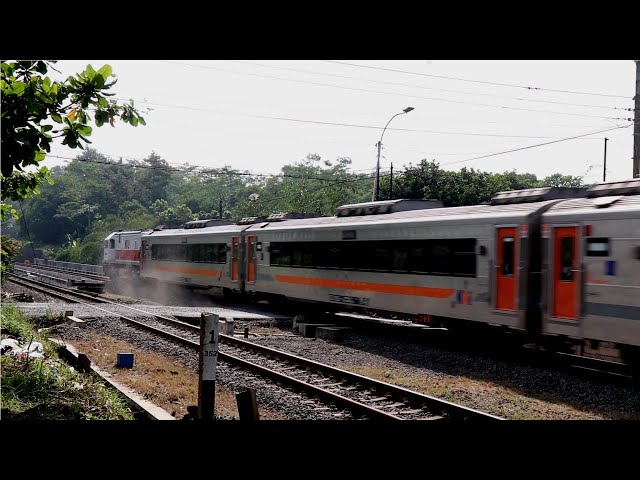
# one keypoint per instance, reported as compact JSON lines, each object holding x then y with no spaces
{"x":506,"y":269}
{"x":566,"y":275}
{"x":235,"y":253}
{"x":251,"y":258}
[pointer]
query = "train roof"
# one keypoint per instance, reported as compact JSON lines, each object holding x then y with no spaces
{"x":385,"y":206}
{"x":173,"y":232}
{"x":529,"y":195}
{"x":619,"y":199}
{"x":619,"y":206}
{"x":127,"y":232}
{"x":618,"y":187}
{"x":469,"y":214}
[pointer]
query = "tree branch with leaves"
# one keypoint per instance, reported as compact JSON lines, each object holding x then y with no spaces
{"x":36,"y":110}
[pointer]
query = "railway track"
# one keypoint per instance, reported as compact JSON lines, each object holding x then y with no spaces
{"x":590,"y":367}
{"x":48,"y":268}
{"x":62,"y":293}
{"x":494,"y":345}
{"x":363,"y":397}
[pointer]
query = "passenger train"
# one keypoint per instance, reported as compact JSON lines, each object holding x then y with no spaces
{"x":557,"y":264}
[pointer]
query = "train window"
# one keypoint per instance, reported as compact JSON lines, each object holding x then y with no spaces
{"x":399,"y":262}
{"x":195,"y":253}
{"x":349,"y":257}
{"x":126,"y":244}
{"x":464,"y":257}
{"x":566,"y":254}
{"x":348,"y":234}
{"x":333,"y":254}
{"x":307,"y":255}
{"x":597,"y":247}
{"x":440,"y":258}
{"x":112,"y":243}
{"x":418,"y":258}
{"x":380,"y":256}
{"x":201,"y":253}
{"x":508,"y":253}
{"x":454,"y":257}
{"x":159,"y":252}
{"x":280,"y":254}
{"x":296,"y":256}
{"x":222,"y":253}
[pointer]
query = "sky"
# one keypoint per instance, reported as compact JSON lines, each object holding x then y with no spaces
{"x":259,"y":115}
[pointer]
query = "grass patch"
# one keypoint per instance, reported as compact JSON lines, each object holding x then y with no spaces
{"x":13,"y":323}
{"x":46,"y":388}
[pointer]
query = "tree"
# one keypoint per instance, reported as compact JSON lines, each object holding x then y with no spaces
{"x":32,"y":105}
{"x":31,"y":101}
{"x":10,"y":249}
{"x":153,"y":176}
{"x":176,"y":216}
{"x":559,"y":180}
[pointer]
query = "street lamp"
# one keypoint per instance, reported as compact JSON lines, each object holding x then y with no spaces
{"x":376,"y":185}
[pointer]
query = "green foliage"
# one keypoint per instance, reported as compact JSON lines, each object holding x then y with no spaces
{"x":13,"y":323}
{"x":176,"y":216}
{"x":46,"y":389}
{"x":9,"y":250}
{"x":466,"y":187}
{"x":35,"y":110}
{"x":558,"y":180}
{"x":312,"y":185}
{"x":152,"y":179}
{"x":20,"y":185}
{"x":93,"y":195}
{"x":41,"y":390}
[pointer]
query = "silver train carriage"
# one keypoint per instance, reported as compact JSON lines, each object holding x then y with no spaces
{"x":197,"y":255}
{"x":547,"y":261}
{"x":591,"y":265}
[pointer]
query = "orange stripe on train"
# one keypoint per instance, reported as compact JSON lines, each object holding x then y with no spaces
{"x":193,"y":271}
{"x":372,"y":287}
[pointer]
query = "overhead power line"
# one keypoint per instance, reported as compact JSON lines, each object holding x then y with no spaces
{"x":317,"y":122}
{"x":392,"y":93}
{"x":526,"y":87}
{"x":218,"y":172}
{"x":433,"y":88}
{"x":534,"y":146}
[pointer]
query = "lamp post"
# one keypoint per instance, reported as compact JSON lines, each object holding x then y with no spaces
{"x":376,"y":186}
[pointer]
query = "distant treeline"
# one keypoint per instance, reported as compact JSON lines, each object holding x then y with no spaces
{"x":94,"y":195}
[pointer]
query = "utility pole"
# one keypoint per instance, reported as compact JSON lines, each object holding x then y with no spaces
{"x":391,"y":183}
{"x":636,"y":126}
{"x":220,"y":209}
{"x":376,"y":185}
{"x":604,"y":170}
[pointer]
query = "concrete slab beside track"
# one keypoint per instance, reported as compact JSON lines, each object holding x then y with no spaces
{"x":107,"y":310}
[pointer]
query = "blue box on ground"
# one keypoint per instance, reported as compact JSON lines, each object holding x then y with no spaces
{"x":125,"y":360}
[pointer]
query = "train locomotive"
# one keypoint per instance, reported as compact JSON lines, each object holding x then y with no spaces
{"x":122,"y":253}
{"x":551,"y":263}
